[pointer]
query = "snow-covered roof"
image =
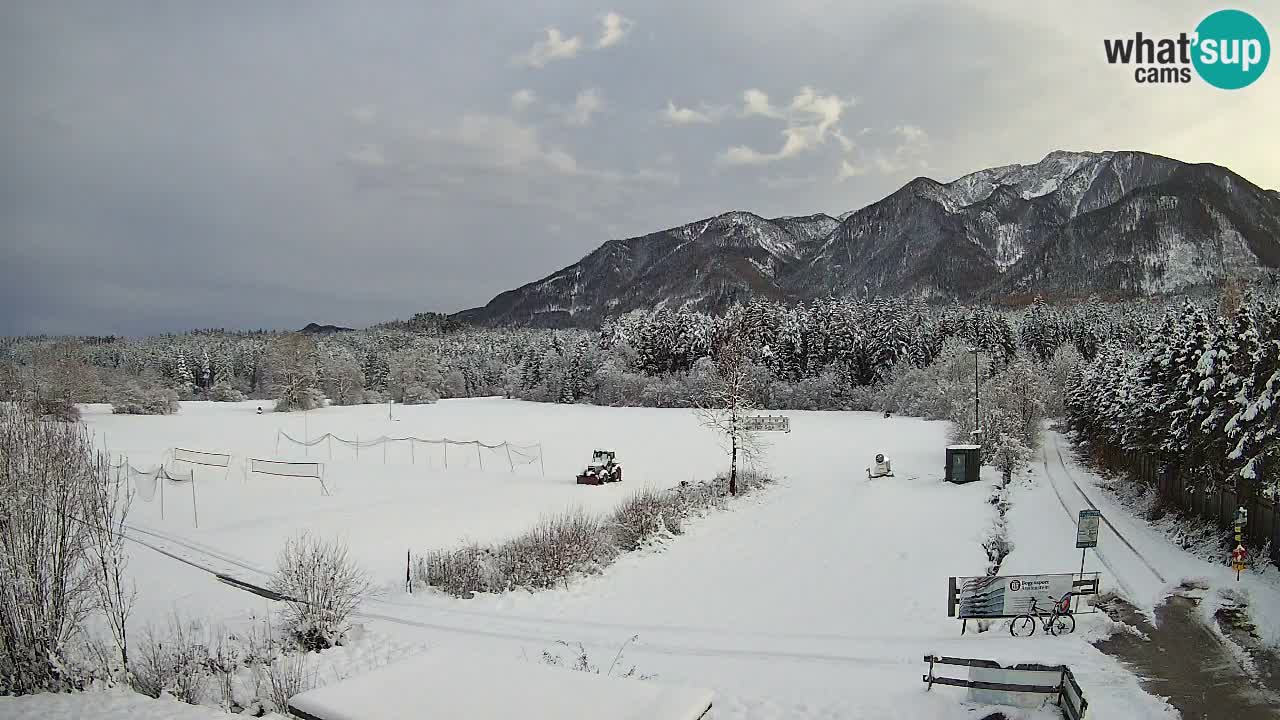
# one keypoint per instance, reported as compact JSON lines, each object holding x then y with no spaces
{"x":448,"y":685}
{"x":964,"y":447}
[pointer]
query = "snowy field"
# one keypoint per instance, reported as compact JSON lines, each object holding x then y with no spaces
{"x":817,"y":598}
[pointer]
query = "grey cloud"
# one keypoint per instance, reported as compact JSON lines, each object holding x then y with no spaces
{"x":250,"y":164}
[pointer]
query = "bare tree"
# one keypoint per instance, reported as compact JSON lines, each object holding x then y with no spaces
{"x":343,"y":379}
{"x":726,"y":402}
{"x":47,"y":583}
{"x":107,"y":508}
{"x":291,"y":372}
{"x":59,"y":377}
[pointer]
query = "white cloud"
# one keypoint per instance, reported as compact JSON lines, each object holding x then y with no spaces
{"x":909,"y":154}
{"x":811,"y":118}
{"x":849,"y":170}
{"x":743,"y":155}
{"x":522,"y":99}
{"x":555,"y":47}
{"x":756,"y":102}
{"x":685,"y":116}
{"x":615,"y":29}
{"x":845,"y":143}
{"x":585,"y":105}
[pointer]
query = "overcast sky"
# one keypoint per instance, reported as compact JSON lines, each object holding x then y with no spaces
{"x":172,"y":165}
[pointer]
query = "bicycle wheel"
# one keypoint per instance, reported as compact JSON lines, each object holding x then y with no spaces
{"x":1062,"y":625}
{"x":1022,"y":626}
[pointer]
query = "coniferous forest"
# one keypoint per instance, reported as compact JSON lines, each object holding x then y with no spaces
{"x":1192,"y":381}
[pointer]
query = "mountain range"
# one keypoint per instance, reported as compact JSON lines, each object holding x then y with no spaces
{"x":1117,"y":224}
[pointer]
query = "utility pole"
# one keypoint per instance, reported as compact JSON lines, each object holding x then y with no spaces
{"x":975,"y":352}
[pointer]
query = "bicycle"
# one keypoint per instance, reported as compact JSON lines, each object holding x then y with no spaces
{"x":1060,"y":620}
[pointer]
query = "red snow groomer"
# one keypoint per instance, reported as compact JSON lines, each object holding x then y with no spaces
{"x":602,"y":469}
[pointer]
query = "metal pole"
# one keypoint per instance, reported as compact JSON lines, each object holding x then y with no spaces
{"x":161,"y":481}
{"x":1077,"y":597}
{"x":478,"y":458}
{"x":195,"y":512}
{"x":975,"y":387}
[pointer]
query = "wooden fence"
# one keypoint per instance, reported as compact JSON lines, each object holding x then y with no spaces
{"x":1197,"y":497}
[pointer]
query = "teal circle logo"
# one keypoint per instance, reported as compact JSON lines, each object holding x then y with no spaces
{"x":1231,"y":49}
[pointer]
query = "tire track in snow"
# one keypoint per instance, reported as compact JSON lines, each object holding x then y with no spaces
{"x":200,"y":548}
{"x":1044,"y":457}
{"x":1062,"y":461}
{"x":532,"y":635}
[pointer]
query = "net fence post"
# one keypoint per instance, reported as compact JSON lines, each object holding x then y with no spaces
{"x":413,"y":453}
{"x":195,"y":511}
{"x":357,"y":448}
{"x":384,"y":449}
{"x":478,"y":456}
{"x":507,"y":446}
{"x":329,"y":440}
{"x":160,"y":481}
{"x":446,"y":453}
{"x":540,"y":463}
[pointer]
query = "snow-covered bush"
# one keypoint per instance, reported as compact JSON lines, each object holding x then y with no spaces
{"x":561,"y":546}
{"x":308,"y":398}
{"x":648,"y":512}
{"x":173,"y":663}
{"x":582,"y":662}
{"x":225,"y":392}
{"x":554,"y":549}
{"x":286,"y":676}
{"x":1009,"y":454}
{"x":324,"y":585}
{"x":134,"y":398}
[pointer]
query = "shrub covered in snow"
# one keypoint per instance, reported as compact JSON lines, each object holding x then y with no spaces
{"x":324,"y":585}
{"x":225,"y":392}
{"x":137,"y":398}
{"x":560,"y":546}
{"x":173,"y":663}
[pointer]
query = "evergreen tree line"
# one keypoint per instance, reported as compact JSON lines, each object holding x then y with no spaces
{"x":1200,"y":392}
{"x":828,"y":354}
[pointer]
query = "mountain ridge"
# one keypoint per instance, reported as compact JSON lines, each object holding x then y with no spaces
{"x":1115,"y":223}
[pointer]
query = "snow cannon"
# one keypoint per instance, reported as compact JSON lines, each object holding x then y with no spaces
{"x":602,"y":469}
{"x":881,"y":468}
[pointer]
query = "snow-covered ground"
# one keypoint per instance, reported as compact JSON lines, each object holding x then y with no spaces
{"x":816,"y":598}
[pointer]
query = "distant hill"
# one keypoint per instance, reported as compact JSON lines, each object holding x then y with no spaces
{"x":317,"y":329}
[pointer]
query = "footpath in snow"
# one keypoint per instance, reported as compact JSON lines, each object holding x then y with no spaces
{"x":1173,"y":594}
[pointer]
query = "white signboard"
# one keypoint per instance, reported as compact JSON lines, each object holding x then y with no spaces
{"x":1087,"y":528}
{"x":1002,"y":596}
{"x":768,"y":423}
